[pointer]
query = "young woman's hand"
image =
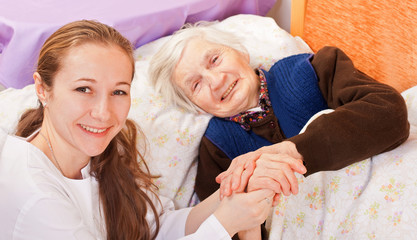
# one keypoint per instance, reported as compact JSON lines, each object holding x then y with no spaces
{"x":243,"y":211}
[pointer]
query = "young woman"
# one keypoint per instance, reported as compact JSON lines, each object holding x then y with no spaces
{"x":259,"y":114}
{"x":73,"y":171}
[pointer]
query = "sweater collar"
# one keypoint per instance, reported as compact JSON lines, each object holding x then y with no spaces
{"x":258,"y":113}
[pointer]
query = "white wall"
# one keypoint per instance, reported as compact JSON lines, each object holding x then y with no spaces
{"x":281,"y":12}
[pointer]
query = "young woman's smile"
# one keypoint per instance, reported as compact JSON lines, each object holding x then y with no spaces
{"x":94,"y":131}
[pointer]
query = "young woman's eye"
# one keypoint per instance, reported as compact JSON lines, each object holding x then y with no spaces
{"x":83,"y":89}
{"x":119,"y":92}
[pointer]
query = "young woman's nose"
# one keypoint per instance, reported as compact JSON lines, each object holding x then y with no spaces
{"x":101,"y":108}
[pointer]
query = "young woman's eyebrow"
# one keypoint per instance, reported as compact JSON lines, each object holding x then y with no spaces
{"x":86,"y":80}
{"x":92,"y":80}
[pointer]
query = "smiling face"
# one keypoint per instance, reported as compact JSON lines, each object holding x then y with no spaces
{"x":89,"y":100}
{"x":217,"y":78}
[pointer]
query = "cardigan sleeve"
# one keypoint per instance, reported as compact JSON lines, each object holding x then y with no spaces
{"x":212,"y":161}
{"x":369,"y":117}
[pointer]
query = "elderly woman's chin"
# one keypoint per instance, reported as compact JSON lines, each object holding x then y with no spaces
{"x":232,"y":106}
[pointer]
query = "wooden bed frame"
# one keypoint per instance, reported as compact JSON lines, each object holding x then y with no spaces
{"x":298,"y":9}
{"x":379,"y":36}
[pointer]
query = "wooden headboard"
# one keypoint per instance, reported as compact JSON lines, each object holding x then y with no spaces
{"x":379,"y":36}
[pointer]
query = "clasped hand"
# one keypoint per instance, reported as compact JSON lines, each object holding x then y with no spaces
{"x":271,"y":167}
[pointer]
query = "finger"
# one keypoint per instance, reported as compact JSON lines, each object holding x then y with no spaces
{"x":279,"y":172}
{"x":291,"y":179}
{"x":264,"y":183}
{"x":295,"y":163}
{"x":224,"y":174}
{"x":247,"y":173}
{"x":246,"y":161}
{"x":250,"y":158}
{"x":229,"y":171}
{"x":236,"y":176}
{"x":260,"y":195}
{"x":298,"y":166}
{"x":242,"y":161}
{"x":288,"y":181}
{"x":225,"y":187}
{"x":270,"y":167}
{"x":243,"y":181}
{"x":276,"y":199}
{"x":250,"y":167}
{"x":282,"y":179}
{"x":220,"y":177}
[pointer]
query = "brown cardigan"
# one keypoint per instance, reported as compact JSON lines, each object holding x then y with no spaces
{"x":369,"y":118}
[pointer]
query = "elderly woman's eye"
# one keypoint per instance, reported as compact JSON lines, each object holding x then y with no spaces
{"x":195,"y":85}
{"x":214,"y":59}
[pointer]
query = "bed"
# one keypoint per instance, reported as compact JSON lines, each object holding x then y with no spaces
{"x":372,"y":199}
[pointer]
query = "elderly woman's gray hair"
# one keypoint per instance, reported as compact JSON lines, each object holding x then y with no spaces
{"x":163,"y":63}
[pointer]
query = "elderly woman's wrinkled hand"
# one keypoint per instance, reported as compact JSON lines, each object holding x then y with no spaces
{"x":270,"y":167}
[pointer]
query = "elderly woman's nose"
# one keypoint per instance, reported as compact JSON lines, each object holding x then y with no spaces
{"x":214,"y":79}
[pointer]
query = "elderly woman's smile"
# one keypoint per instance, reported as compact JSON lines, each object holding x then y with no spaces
{"x":229,"y":90}
{"x":216,"y":78}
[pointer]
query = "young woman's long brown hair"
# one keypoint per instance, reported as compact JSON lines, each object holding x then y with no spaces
{"x":121,"y":179}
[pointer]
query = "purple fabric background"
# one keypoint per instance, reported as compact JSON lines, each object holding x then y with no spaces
{"x":25,"y":24}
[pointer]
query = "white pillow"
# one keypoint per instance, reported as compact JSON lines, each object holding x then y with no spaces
{"x":174,"y":135}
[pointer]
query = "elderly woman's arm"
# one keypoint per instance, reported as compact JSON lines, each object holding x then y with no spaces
{"x":211,"y":162}
{"x":369,"y":117}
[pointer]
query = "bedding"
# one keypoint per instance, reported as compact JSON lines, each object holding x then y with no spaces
{"x":375,"y":198}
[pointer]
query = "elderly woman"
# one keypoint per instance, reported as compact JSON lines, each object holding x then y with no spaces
{"x":259,"y":114}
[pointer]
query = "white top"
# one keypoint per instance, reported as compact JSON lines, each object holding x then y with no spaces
{"x":37,"y":202}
